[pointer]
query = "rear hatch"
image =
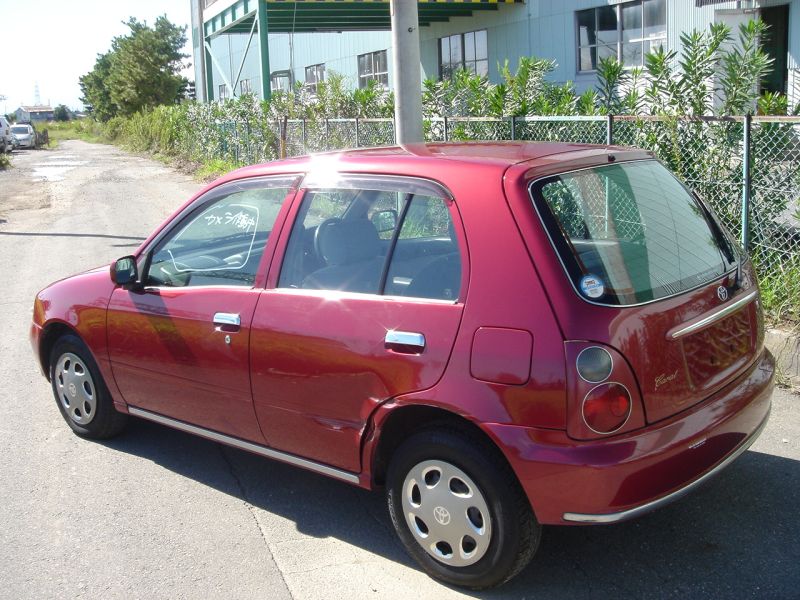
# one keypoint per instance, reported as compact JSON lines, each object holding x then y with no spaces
{"x":653,"y":275}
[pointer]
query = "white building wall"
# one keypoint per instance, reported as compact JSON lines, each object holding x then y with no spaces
{"x":543,"y":28}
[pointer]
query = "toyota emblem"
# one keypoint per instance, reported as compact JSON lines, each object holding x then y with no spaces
{"x":442,"y":515}
{"x":722,"y":293}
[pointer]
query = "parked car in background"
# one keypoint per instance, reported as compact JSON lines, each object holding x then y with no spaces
{"x":499,"y":335}
{"x":6,"y":138}
{"x":24,"y":136}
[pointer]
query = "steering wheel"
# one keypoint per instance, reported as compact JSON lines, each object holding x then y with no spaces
{"x":318,"y":235}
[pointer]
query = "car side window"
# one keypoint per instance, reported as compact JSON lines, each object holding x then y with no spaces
{"x":394,"y":240}
{"x":426,"y":262}
{"x":220,"y":243}
{"x":334,"y":245}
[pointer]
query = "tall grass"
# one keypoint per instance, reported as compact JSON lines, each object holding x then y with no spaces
{"x":780,"y":288}
{"x":87,"y":130}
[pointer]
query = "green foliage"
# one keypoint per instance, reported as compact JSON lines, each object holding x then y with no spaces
{"x":672,"y":85}
{"x":528,"y":93}
{"x":96,"y":93}
{"x":140,"y":71}
{"x":214,"y":168}
{"x":773,"y":103}
{"x":780,"y":285}
{"x":698,"y":65}
{"x":373,"y":102}
{"x":612,"y":76}
{"x":5,"y":161}
{"x":743,"y":68}
{"x":85,"y":129}
{"x":465,"y":94}
{"x":61,"y":113}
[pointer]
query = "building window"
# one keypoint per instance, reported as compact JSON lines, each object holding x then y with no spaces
{"x":314,"y":75}
{"x":373,"y":67}
{"x":464,"y":51}
{"x":244,"y":87}
{"x":223,"y":92}
{"x":280,"y":81}
{"x":626,"y":31}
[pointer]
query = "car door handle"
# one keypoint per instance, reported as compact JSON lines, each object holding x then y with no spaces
{"x":227,"y":321}
{"x":406,"y":342}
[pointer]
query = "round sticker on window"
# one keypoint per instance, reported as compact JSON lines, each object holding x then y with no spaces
{"x":592,"y":286}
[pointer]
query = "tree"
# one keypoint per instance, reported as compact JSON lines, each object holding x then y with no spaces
{"x":96,"y":93}
{"x":61,"y":113}
{"x":140,"y":71}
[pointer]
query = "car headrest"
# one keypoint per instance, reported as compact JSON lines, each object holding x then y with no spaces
{"x":350,"y":241}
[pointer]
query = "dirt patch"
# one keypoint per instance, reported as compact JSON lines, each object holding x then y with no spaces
{"x":19,"y":190}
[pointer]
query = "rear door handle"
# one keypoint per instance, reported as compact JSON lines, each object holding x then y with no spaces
{"x":227,"y":321}
{"x":405,"y":342}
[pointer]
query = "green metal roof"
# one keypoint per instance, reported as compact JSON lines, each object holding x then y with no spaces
{"x":303,"y":16}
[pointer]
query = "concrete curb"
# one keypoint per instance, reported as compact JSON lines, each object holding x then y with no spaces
{"x":785,"y":346}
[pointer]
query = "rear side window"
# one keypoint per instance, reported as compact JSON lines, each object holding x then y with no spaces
{"x":630,"y":233}
{"x":374,"y":236}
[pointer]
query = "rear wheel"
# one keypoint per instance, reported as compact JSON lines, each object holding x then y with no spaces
{"x":459,"y":510}
{"x":81,"y":393}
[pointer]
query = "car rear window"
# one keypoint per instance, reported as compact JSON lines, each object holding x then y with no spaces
{"x":630,"y":233}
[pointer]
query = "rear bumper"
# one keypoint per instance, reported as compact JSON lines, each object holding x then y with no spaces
{"x":619,"y":478}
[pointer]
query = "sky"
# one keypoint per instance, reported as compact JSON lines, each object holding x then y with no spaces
{"x":71,"y":34}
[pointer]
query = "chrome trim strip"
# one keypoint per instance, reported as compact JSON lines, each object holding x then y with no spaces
{"x":232,"y":319}
{"x":405,"y":338}
{"x":249,"y":446}
{"x":645,"y":508}
{"x":713,"y":318}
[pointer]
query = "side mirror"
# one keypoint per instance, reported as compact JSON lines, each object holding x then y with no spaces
{"x":124,"y":271}
{"x":384,"y":220}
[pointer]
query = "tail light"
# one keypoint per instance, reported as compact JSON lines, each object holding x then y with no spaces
{"x":594,"y":364}
{"x":606,"y":408}
{"x":603,"y":394}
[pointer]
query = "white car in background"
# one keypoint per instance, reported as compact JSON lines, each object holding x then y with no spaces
{"x":24,"y":136}
{"x":6,"y":139}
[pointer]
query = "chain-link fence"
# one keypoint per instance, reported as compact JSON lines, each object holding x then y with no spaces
{"x":747,"y":169}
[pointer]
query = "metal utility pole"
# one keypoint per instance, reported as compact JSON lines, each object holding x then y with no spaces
{"x":263,"y":44}
{"x":406,"y":71}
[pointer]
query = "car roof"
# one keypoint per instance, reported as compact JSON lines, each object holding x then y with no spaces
{"x":429,"y":158}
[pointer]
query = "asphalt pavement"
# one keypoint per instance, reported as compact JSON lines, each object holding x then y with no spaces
{"x":157,"y":513}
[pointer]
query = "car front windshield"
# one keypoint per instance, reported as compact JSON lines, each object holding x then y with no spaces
{"x":630,"y":233}
{"x":20,"y":129}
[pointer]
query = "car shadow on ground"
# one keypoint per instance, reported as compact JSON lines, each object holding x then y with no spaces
{"x":735,"y":537}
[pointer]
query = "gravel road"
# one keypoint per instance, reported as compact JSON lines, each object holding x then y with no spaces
{"x":157,"y":513}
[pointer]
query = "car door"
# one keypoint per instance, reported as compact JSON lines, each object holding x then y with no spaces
{"x":179,"y":343}
{"x":354,"y":313}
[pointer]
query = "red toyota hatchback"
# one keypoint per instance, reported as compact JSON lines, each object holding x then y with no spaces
{"x":501,"y":335}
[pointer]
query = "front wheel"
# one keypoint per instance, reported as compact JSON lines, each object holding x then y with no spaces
{"x":459,"y":510}
{"x":80,"y":392}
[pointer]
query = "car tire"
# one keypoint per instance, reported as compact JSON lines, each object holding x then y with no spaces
{"x":487,"y":528}
{"x":80,"y":392}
